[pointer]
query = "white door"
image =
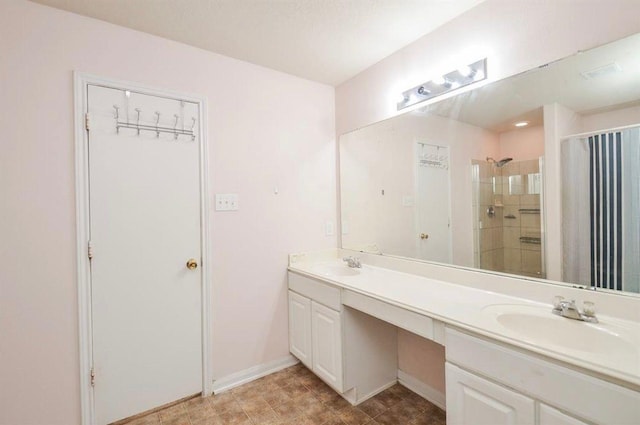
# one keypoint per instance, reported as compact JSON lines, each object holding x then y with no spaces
{"x":326,"y":333}
{"x":144,"y":227}
{"x":433,"y":231}
{"x":472,"y":400}
{"x":300,"y":328}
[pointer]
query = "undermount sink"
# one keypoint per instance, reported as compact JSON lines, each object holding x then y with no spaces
{"x":335,"y":270}
{"x":539,"y":326}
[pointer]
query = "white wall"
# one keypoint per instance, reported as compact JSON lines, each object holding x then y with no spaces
{"x":522,"y":143}
{"x":611,"y":119}
{"x":515,"y":35}
{"x":266,"y":128}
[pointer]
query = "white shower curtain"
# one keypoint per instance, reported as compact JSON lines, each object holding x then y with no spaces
{"x":576,"y":234}
{"x":631,"y":209}
{"x":594,"y":257}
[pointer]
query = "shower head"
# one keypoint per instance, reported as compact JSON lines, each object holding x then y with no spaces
{"x":500,"y":163}
{"x":503,"y":162}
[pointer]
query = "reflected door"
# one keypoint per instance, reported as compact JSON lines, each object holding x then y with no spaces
{"x":433,"y":225}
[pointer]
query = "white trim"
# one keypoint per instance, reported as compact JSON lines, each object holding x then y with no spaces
{"x":252,"y":373}
{"x":603,"y":131}
{"x":81,"y":81}
{"x":352,"y":395}
{"x":425,"y":391}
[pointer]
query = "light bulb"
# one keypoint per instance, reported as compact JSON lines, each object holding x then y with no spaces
{"x":439,"y":80}
{"x":465,"y":71}
{"x":423,"y":92}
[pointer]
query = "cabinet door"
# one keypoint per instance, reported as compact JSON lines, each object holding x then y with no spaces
{"x":550,"y":416}
{"x":327,"y":344}
{"x":472,"y":400}
{"x":300,"y":328}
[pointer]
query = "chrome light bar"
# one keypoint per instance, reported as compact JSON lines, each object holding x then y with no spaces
{"x":453,"y":80}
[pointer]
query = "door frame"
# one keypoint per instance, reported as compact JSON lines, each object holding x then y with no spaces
{"x":81,"y":82}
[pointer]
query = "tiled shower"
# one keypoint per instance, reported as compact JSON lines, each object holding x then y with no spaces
{"x":508,"y":217}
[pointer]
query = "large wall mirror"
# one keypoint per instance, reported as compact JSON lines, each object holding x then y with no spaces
{"x":476,"y":180}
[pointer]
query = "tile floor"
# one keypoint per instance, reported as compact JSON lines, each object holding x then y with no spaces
{"x":295,"y":396}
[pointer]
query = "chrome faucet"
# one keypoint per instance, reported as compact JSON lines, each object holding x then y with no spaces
{"x":568,"y":309}
{"x":353,"y":262}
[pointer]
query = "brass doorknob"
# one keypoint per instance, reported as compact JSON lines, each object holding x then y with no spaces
{"x":424,"y":236}
{"x":192,"y":264}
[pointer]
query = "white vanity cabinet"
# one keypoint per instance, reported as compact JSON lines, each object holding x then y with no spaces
{"x":490,"y":383}
{"x":475,"y":400}
{"x":315,"y":328}
{"x":300,"y":328}
{"x":354,"y":353}
{"x":326,"y":334}
{"x":547,"y":415}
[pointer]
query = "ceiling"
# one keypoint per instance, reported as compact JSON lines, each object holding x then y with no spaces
{"x":497,"y":106}
{"x":328,"y":41}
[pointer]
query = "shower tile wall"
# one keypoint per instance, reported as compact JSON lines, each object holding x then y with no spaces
{"x":521,"y":198}
{"x":514,"y":192}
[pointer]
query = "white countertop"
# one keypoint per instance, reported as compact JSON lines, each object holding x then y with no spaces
{"x":469,"y":308}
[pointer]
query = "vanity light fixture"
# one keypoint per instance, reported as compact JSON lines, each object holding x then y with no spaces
{"x":453,"y":80}
{"x":521,"y":124}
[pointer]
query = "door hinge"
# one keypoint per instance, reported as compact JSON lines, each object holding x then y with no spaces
{"x":89,"y":250}
{"x":87,"y":121}
{"x":93,"y":377}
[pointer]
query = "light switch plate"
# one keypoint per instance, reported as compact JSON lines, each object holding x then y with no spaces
{"x":226,"y":201}
{"x":329,"y":228}
{"x":407,"y":201}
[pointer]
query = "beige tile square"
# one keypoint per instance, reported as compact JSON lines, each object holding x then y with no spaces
{"x":530,"y":220}
{"x":181,"y":419}
{"x":531,"y":262}
{"x":512,"y":260}
{"x":530,"y":166}
{"x":288,"y":410}
{"x":511,"y":237}
{"x":511,"y":200}
{"x":200,"y":412}
{"x":172,"y":412}
{"x":530,"y":201}
{"x":353,"y":416}
{"x":512,"y":168}
{"x":234,"y":418}
{"x":373,"y":407}
{"x":487,"y":260}
{"x":276,"y":397}
{"x":387,"y":398}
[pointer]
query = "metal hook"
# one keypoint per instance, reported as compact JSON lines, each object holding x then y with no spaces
{"x":157,"y":122}
{"x":116,"y":107}
{"x":175,"y":127}
{"x":193,"y":124}
{"x":138,"y":120}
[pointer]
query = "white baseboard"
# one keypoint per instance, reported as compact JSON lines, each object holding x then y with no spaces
{"x":428,"y":392}
{"x":375,"y":392}
{"x":236,"y":379}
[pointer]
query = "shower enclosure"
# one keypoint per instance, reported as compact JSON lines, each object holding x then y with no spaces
{"x":601,"y":200}
{"x":508,"y":216}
